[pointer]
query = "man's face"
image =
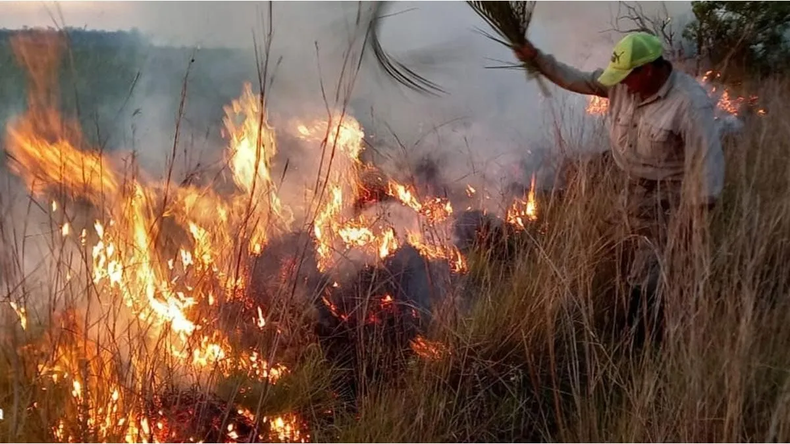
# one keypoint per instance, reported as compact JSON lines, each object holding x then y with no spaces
{"x":639,"y":80}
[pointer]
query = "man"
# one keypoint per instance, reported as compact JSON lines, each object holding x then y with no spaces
{"x":663,"y":137}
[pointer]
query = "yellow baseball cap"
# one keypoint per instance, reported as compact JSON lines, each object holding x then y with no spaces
{"x":633,"y":51}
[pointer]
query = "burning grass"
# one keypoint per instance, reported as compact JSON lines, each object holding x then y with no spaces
{"x":727,"y":102}
{"x":192,"y":313}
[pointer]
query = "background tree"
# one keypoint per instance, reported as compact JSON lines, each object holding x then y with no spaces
{"x":741,"y":39}
{"x":631,"y":17}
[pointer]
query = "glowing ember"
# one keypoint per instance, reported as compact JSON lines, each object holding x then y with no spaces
{"x":333,"y":309}
{"x":286,"y":428}
{"x":431,"y":350}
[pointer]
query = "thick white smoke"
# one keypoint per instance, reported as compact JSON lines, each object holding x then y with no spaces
{"x":494,"y":112}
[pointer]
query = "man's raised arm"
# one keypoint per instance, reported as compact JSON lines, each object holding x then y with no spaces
{"x":562,"y":75}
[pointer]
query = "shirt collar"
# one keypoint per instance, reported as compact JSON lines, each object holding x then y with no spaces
{"x":663,"y":91}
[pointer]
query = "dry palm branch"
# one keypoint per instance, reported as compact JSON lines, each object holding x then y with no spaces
{"x":393,"y":68}
{"x":509,"y":19}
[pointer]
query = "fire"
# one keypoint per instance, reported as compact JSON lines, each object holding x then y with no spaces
{"x":343,"y":139}
{"x":286,"y":428}
{"x":598,"y":106}
{"x":166,"y":264}
{"x":164,"y":300}
{"x":260,"y":322}
{"x":443,"y":250}
{"x":93,"y":407}
{"x":259,"y":368}
{"x":523,"y":211}
{"x":20,"y":312}
{"x":435,"y":210}
{"x":388,"y":244}
{"x":207,"y":353}
{"x":431,"y":350}
{"x":252,"y":147}
{"x":334,"y":309}
{"x":334,"y":234}
{"x":358,"y":236}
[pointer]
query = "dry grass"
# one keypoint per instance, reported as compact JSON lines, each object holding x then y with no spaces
{"x":539,"y":355}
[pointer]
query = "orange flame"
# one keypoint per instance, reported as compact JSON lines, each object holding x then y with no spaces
{"x":343,"y":137}
{"x":523,"y":211}
{"x":252,"y":147}
{"x":170,"y":288}
{"x":435,"y":210}
{"x":286,"y":428}
{"x":20,"y":312}
{"x":162,"y":297}
{"x":443,"y":251}
{"x":598,"y":106}
{"x":431,"y":350}
{"x":388,"y":243}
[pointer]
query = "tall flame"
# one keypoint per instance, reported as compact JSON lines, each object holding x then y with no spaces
{"x":165,"y":301}
{"x":165,"y":261}
{"x":523,"y":211}
{"x":252,"y":148}
{"x":342,"y":139}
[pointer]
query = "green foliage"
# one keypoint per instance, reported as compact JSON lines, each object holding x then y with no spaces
{"x":748,"y":35}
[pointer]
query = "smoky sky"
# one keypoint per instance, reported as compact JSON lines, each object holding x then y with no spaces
{"x":493,"y":113}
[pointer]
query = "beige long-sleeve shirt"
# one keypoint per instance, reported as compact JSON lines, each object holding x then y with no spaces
{"x":670,"y":136}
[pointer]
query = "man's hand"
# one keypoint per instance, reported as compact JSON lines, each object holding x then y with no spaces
{"x":526,"y":53}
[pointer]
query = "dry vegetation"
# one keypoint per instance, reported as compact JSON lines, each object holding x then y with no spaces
{"x":534,"y":350}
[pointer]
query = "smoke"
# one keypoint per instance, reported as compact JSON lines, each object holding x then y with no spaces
{"x":495,"y":113}
{"x":490,"y":130}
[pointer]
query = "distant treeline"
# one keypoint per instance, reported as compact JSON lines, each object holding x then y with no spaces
{"x":112,"y":78}
{"x":87,"y":37}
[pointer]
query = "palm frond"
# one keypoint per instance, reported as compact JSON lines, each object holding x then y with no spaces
{"x":392,"y":67}
{"x":503,"y":64}
{"x":510,"y":20}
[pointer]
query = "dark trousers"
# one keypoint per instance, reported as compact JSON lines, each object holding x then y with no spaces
{"x":648,"y":223}
{"x":647,"y":211}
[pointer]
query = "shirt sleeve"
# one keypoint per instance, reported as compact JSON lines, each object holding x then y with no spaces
{"x":704,"y":158}
{"x":570,"y":78}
